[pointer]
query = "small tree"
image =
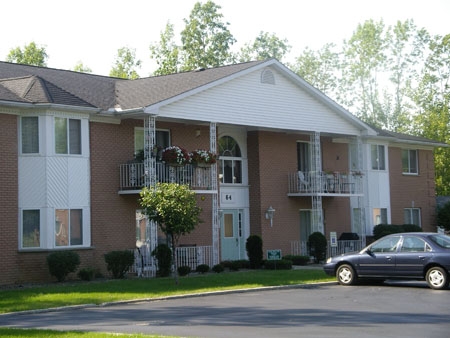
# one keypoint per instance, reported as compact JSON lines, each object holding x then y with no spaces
{"x":318,"y":246}
{"x":174,"y":208}
{"x":254,"y":251}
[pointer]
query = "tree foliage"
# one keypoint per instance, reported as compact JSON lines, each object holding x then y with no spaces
{"x":319,"y":68}
{"x":206,"y":40}
{"x":433,"y":100}
{"x":126,"y":64}
{"x":443,"y":216}
{"x":265,"y":46}
{"x":174,"y":208}
{"x":166,"y":52}
{"x":31,"y":54}
{"x":82,"y":68}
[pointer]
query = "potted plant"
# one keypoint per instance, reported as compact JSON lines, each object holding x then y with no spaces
{"x":175,"y":156}
{"x":203,"y":158}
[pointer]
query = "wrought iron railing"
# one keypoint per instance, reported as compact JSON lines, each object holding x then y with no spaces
{"x":300,"y":248}
{"x":336,"y":183}
{"x":145,"y":265}
{"x":132,"y":175}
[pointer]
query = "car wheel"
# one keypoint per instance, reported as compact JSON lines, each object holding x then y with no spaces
{"x":345,"y":275}
{"x":437,"y":278}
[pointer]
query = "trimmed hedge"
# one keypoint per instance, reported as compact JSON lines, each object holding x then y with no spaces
{"x":382,"y":230}
{"x":297,"y":260}
{"x":119,"y":262}
{"x":61,"y":263}
{"x":184,"y":270}
{"x":280,"y":264}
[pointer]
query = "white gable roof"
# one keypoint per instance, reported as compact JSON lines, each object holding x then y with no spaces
{"x":289,"y":103}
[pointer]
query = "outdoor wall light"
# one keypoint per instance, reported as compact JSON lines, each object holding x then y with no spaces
{"x":269,"y":214}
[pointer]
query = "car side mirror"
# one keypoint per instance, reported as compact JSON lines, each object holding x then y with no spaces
{"x":370,"y":253}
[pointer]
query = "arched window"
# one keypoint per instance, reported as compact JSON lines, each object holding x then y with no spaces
{"x":230,"y":161}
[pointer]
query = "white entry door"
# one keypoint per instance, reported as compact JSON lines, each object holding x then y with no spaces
{"x":232,"y":240}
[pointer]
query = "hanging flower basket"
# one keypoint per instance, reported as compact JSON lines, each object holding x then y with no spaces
{"x":175,"y":156}
{"x":203,"y":158}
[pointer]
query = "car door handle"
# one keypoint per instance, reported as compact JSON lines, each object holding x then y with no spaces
{"x":422,"y":257}
{"x":389,"y":258}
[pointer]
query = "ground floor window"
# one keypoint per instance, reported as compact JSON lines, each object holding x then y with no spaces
{"x":380,"y":216}
{"x":68,"y":227}
{"x":31,"y":229}
{"x":305,"y":225}
{"x":412,"y":216}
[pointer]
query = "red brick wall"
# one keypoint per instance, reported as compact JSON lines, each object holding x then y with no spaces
{"x":409,"y":189}
{"x":271,"y":156}
{"x":8,"y":198}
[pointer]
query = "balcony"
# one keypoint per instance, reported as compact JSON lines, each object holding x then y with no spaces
{"x":314,"y":183}
{"x":132,"y":176}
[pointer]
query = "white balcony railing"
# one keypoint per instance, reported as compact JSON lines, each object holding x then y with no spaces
{"x":132,"y":175}
{"x":311,"y":182}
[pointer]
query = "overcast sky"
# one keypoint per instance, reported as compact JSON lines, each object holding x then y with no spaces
{"x":92,"y":31}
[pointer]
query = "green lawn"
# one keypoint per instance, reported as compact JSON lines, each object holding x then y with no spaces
{"x":100,"y":292}
{"x":15,"y":333}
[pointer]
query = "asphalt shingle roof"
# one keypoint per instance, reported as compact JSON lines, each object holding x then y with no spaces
{"x":81,"y":89}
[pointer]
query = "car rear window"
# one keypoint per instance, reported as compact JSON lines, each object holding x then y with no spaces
{"x":441,"y":240}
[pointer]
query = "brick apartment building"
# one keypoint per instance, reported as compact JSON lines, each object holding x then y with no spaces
{"x":290,"y":162}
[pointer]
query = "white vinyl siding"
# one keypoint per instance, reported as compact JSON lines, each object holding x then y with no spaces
{"x":53,"y":181}
{"x":261,"y":105}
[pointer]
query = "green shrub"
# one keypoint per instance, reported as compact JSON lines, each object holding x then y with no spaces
{"x":61,"y":263}
{"x":443,"y":216}
{"x":236,"y":265}
{"x":382,"y":230}
{"x":202,"y":268}
{"x":86,"y":274}
{"x":218,"y":268}
{"x":163,"y":254}
{"x":254,"y":246}
{"x":119,"y":262}
{"x":317,"y":243}
{"x":297,"y":260}
{"x":184,"y":270}
{"x":279,"y":264}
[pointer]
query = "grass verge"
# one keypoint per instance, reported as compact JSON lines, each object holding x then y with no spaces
{"x":99,"y":292}
{"x":31,"y":333}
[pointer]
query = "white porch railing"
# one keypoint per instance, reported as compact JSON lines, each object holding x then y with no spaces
{"x":194,"y":256}
{"x":300,"y":248}
{"x":311,"y":182}
{"x":145,"y":265}
{"x":132,"y":175}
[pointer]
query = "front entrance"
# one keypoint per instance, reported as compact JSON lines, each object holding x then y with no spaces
{"x":232,"y":235}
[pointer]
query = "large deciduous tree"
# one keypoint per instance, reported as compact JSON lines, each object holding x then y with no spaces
{"x":320,"y":68}
{"x":125,"y":64}
{"x":174,"y":208}
{"x":365,"y":59}
{"x":265,"y":46}
{"x":31,"y":54}
{"x":433,"y":99}
{"x":166,"y":52}
{"x":206,"y":40}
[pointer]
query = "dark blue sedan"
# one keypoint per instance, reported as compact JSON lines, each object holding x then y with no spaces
{"x":399,"y":256}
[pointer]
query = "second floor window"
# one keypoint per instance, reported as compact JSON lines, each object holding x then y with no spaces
{"x":230,"y":161}
{"x":378,"y":157}
{"x":30,"y":134}
{"x":409,"y":161}
{"x":67,"y":136}
{"x":303,"y":157}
